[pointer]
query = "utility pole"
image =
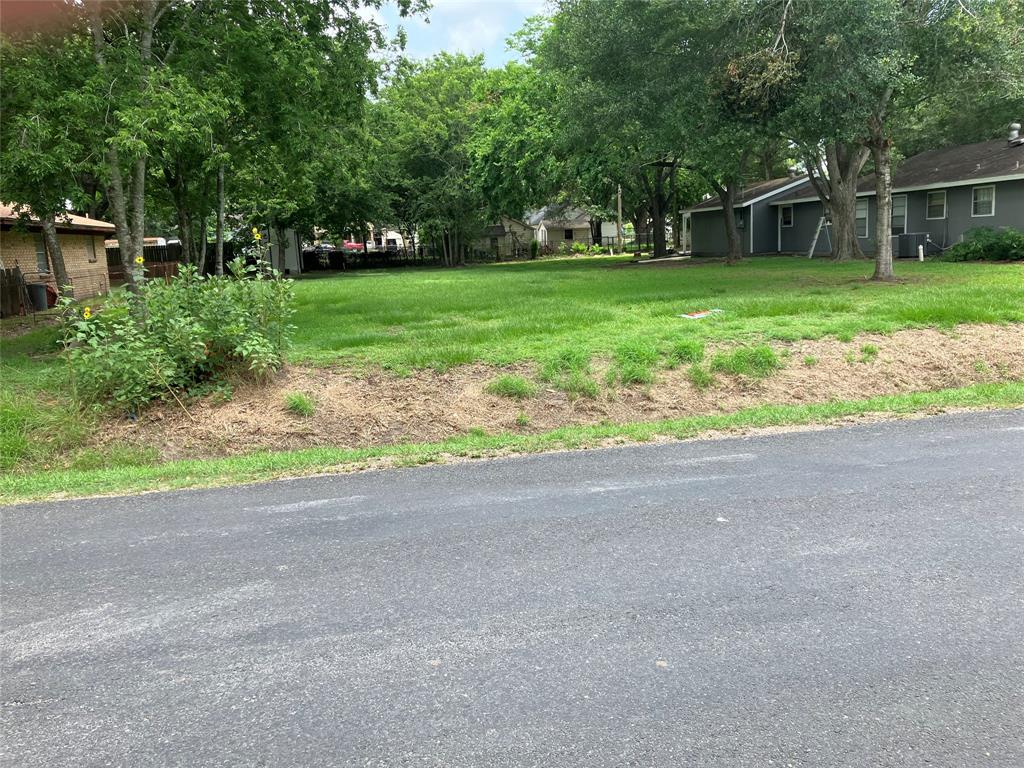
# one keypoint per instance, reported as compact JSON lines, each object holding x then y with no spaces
{"x":618,"y":227}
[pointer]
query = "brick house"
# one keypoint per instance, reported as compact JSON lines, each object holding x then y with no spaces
{"x":81,"y":241}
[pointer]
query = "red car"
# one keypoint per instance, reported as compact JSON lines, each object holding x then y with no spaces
{"x":351,"y":245}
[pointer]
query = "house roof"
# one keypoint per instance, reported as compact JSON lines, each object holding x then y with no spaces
{"x":68,"y":222}
{"x":495,"y":230}
{"x":750,"y":194}
{"x":557,"y":214}
{"x":961,"y":165}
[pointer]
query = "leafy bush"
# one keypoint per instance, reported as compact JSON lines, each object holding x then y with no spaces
{"x":756,"y":362}
{"x":534,"y":249}
{"x":300,"y":404}
{"x":174,"y":335}
{"x":515,"y":387}
{"x":985,"y":244}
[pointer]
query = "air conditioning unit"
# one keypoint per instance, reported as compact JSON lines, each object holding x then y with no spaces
{"x":908,"y":243}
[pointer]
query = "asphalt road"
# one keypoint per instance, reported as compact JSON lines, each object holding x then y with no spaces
{"x":849,"y":597}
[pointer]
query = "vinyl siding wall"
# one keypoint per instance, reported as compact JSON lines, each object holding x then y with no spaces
{"x":708,"y":230}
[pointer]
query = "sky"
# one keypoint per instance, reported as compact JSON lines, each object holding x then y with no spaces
{"x":467,"y":26}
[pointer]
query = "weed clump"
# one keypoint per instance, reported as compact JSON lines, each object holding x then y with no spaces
{"x":685,"y":351}
{"x":300,"y":404}
{"x":569,"y":370}
{"x":512,"y":387}
{"x":755,"y":362}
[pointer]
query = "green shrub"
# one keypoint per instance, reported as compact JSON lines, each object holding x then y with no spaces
{"x":300,"y":404}
{"x":534,"y":249}
{"x":755,"y":362}
{"x":700,"y":377}
{"x":580,"y":248}
{"x":685,"y":351}
{"x":515,"y":387}
{"x":174,"y":335}
{"x":986,"y":244}
{"x":810,"y":360}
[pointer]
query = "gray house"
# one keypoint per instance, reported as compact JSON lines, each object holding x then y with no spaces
{"x":755,"y":219}
{"x":938,"y":196}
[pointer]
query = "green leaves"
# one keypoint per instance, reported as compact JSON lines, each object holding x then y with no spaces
{"x":174,"y":336}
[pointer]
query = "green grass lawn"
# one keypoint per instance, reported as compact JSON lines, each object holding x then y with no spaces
{"x":551,"y":311}
{"x":506,"y":312}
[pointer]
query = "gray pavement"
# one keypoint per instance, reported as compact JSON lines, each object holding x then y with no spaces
{"x":847,"y":597}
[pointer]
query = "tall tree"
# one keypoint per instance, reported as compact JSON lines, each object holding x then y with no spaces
{"x":44,"y":132}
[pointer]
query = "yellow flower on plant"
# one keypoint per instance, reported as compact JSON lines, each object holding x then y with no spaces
{"x":87,"y":313}
{"x":139,"y":260}
{"x":257,"y":236}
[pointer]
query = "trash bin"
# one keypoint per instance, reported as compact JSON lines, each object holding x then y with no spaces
{"x":37,"y":294}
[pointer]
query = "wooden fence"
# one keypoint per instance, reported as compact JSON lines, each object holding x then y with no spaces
{"x":13,"y":293}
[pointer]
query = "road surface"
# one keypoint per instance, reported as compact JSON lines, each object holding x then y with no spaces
{"x":847,"y":597}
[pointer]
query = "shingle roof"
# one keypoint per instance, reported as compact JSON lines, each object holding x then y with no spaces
{"x":962,"y":164}
{"x":66,"y":222}
{"x":746,"y":195}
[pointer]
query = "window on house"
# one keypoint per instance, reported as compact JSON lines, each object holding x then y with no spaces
{"x":862,"y":217}
{"x":568,"y":234}
{"x":90,"y":249}
{"x":42,"y":262}
{"x":899,"y":214}
{"x":787,"y":215}
{"x":936,"y":205}
{"x":983,"y":202}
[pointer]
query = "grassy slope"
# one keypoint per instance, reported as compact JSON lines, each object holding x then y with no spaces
{"x":502,"y":313}
{"x":18,"y":487}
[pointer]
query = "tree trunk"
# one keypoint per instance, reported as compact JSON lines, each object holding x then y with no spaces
{"x":282,"y":256}
{"x":200,"y":244}
{"x":218,"y":266}
{"x":179,"y":196}
{"x":836,"y":185}
{"x":119,"y":213}
{"x":727,"y":195}
{"x":130,"y":229}
{"x":657,"y":204}
{"x":880,"y":152}
{"x":676,"y":213}
{"x":60,"y":272}
{"x":595,"y":231}
{"x":843,"y":210}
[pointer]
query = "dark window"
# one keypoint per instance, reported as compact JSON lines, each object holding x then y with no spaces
{"x":42,"y":263}
{"x":568,"y":234}
{"x":862,"y":218}
{"x":936,"y":205}
{"x":899,"y":214}
{"x":787,"y":215}
{"x":90,"y":249}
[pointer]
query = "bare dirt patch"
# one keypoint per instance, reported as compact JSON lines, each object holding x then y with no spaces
{"x":377,"y":408}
